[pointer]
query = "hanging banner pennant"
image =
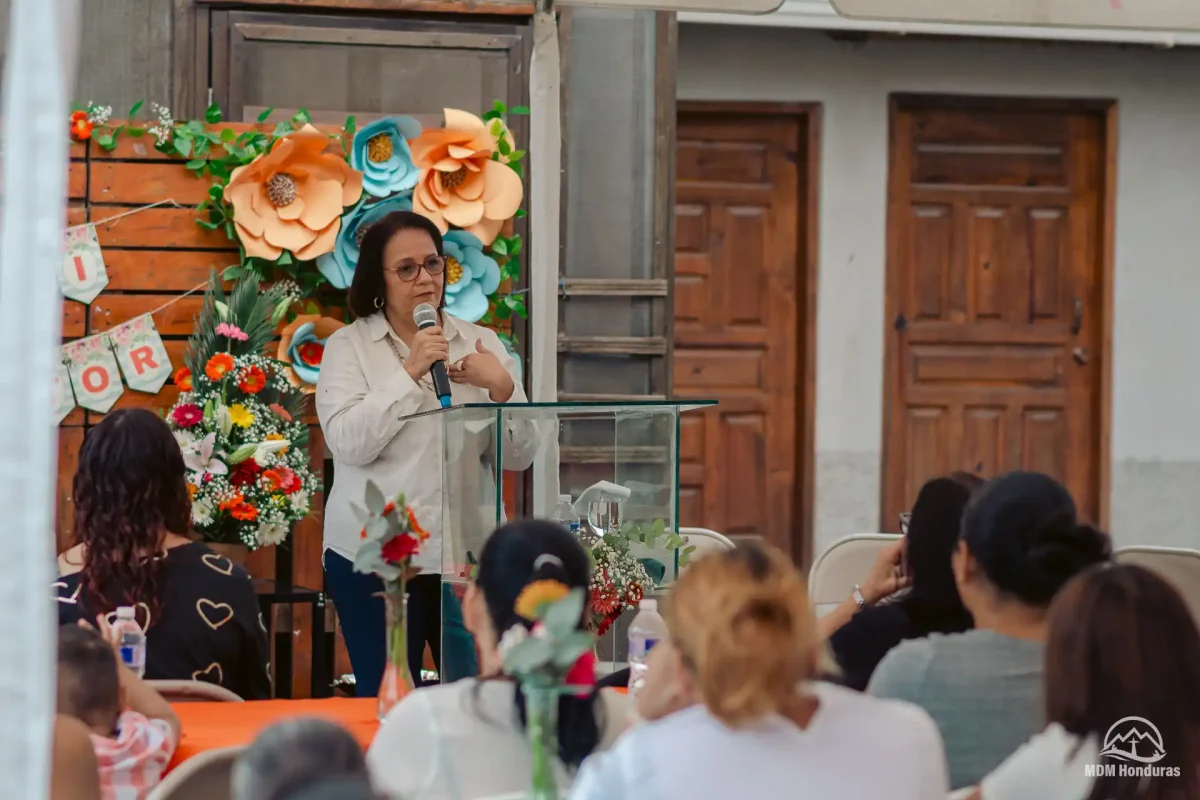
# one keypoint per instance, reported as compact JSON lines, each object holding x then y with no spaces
{"x":83,"y":275}
{"x":140,"y":352}
{"x":94,"y":373}
{"x":62,"y":397}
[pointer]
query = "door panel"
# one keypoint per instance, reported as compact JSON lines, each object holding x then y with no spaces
{"x":994,"y":295}
{"x":737,"y":322}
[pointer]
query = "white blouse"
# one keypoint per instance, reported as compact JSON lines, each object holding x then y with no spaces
{"x":856,"y":747}
{"x":363,"y":398}
{"x":1050,"y":766}
{"x":464,"y":741}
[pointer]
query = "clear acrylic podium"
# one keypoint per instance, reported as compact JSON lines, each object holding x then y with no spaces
{"x":501,"y":462}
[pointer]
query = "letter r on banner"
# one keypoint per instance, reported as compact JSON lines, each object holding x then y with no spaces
{"x":141,"y":354}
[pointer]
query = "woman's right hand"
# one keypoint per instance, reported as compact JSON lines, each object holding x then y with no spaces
{"x":885,"y":578}
{"x":428,"y":346}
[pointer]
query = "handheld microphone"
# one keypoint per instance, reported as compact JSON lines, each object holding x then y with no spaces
{"x":426,"y":317}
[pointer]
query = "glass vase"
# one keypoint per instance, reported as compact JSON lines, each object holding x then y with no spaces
{"x":541,"y":725}
{"x":397,"y":679}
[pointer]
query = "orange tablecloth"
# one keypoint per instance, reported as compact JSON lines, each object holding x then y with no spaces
{"x":208,"y":726}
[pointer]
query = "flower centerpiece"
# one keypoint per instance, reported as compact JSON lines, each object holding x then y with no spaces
{"x":620,"y":579}
{"x":545,"y":653}
{"x":391,"y":536}
{"x":238,"y":421}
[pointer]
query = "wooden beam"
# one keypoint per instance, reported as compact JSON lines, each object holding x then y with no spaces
{"x":495,"y":7}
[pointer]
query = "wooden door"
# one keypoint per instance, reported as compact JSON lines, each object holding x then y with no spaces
{"x":995,"y":262}
{"x":738,"y":225}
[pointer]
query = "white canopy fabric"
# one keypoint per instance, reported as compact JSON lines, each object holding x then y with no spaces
{"x":43,"y":37}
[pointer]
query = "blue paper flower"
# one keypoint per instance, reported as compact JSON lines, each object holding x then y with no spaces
{"x":338,"y":266}
{"x":470,"y":275}
{"x":381,"y":153}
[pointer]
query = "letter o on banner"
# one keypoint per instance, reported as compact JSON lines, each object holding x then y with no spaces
{"x":95,"y":379}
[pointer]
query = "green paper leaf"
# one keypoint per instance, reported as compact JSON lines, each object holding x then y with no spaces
{"x":517,"y":169}
{"x":212,"y":115}
{"x":227,"y":135}
{"x":311,"y":308}
{"x":196,"y":164}
{"x":136,"y":108}
{"x":194,"y":127}
{"x":516,"y":155}
{"x":281,"y":129}
{"x":106,"y":142}
{"x":519,"y":110}
{"x":135,"y":132}
{"x":284,"y":259}
{"x":520,"y":213}
{"x":183,"y":146}
{"x":513,"y":301}
{"x":374,"y":499}
{"x":562,"y":617}
{"x":232,"y":272}
{"x":208,"y":226}
{"x":503,"y":146}
{"x":514,"y":247}
{"x":499,"y":107}
{"x":488,"y":116}
{"x":263,"y":116}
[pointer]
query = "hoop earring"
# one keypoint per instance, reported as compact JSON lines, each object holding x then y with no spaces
{"x":379,"y":301}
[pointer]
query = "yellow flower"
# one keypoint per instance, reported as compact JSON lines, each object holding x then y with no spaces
{"x":537,"y":594}
{"x":275,"y":437}
{"x":240,"y":416}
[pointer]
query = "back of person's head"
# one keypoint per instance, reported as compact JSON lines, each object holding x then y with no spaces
{"x":516,"y":555}
{"x":335,"y":789}
{"x":130,"y":488}
{"x":968,"y":480}
{"x":89,"y":687}
{"x":1023,"y":532}
{"x":1122,"y":642}
{"x":741,"y":622}
{"x":291,"y":755}
{"x":933,"y":529}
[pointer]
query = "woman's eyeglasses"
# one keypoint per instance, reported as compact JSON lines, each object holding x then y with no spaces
{"x":408,"y":270}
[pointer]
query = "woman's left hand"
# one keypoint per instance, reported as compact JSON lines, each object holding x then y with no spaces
{"x":483,"y":369}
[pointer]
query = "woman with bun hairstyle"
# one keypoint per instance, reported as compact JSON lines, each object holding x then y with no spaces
{"x":1021,"y":541}
{"x":731,"y":690}
{"x":467,"y":739}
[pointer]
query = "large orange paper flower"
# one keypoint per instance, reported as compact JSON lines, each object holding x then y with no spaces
{"x":292,"y":197}
{"x":459,"y":183}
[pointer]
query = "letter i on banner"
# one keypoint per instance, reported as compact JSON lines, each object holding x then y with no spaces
{"x":62,"y":397}
{"x":83,"y":275}
{"x":141,"y":354}
{"x":94,"y":374}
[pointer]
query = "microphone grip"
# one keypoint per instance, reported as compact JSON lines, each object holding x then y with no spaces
{"x":441,"y":382}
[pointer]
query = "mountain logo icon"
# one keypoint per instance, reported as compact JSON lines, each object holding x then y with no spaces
{"x":1134,"y":739}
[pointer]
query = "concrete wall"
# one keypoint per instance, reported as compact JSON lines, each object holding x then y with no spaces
{"x":1156,"y":328}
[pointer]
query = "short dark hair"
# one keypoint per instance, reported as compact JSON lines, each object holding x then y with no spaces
{"x":88,"y":684}
{"x":367,"y":286}
{"x":292,"y":754}
{"x":1121,"y":641}
{"x":1023,"y":531}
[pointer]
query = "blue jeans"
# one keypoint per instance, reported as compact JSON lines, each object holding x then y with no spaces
{"x":360,"y":611}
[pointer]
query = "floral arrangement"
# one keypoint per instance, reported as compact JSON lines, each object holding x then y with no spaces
{"x":391,"y":537}
{"x":619,"y":579}
{"x":288,"y":198}
{"x":238,"y":422}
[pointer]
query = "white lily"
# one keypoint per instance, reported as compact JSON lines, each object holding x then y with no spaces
{"x":201,"y":458}
{"x":223,"y":419}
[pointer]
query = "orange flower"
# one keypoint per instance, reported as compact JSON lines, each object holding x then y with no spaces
{"x":537,"y":594}
{"x":292,"y":197}
{"x":252,"y":380}
{"x":231,"y":502}
{"x":459,"y":183}
{"x":275,"y":437}
{"x":183,"y":379}
{"x":81,"y":127}
{"x":244,"y":512}
{"x":218,"y":366}
{"x":415,"y":527}
{"x":192,"y":489}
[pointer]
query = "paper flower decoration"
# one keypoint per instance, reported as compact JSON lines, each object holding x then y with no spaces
{"x":292,"y":197}
{"x":380,"y":152}
{"x":301,"y":347}
{"x":460,"y":184}
{"x":338,"y":265}
{"x":470,"y":276}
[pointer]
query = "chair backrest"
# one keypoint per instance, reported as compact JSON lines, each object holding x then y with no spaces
{"x":204,"y":776}
{"x":706,"y":541}
{"x":193,"y":692}
{"x":844,"y":563}
{"x":1179,"y":566}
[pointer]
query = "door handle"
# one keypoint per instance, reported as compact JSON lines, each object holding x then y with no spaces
{"x":1077,"y":318}
{"x":1081,"y":356}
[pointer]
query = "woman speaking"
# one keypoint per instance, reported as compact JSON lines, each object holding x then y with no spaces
{"x":374,"y":376}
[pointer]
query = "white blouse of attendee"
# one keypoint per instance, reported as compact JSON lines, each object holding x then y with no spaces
{"x":853,"y":747}
{"x":464,"y":740}
{"x":1051,"y":766}
{"x":365,"y":395}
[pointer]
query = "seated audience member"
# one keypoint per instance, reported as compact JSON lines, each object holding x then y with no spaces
{"x":335,"y":789}
{"x":74,"y":770}
{"x":133,"y":730}
{"x":467,"y":738}
{"x":1020,"y":543}
{"x":289,"y":757}
{"x":1121,"y":641}
{"x":734,"y":713}
{"x":132,"y":513}
{"x":861,"y":636}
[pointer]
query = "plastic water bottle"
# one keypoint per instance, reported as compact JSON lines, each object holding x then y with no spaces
{"x":131,"y":641}
{"x":564,"y":514}
{"x":647,"y":629}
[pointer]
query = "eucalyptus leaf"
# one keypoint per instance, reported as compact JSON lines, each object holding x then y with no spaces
{"x":568,"y":649}
{"x":374,"y":499}
{"x":377,"y":529}
{"x":562,"y":617}
{"x":530,"y":655}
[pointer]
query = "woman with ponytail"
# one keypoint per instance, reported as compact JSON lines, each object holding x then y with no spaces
{"x":736,"y":711}
{"x":466,"y":739}
{"x":1020,"y":543}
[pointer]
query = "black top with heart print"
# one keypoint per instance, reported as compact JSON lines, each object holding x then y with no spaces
{"x":209,"y":628}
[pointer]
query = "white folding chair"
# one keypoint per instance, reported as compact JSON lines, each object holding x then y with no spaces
{"x":844,"y":564}
{"x":204,"y":776}
{"x":1179,"y":566}
{"x":706,"y":541}
{"x":193,"y":692}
